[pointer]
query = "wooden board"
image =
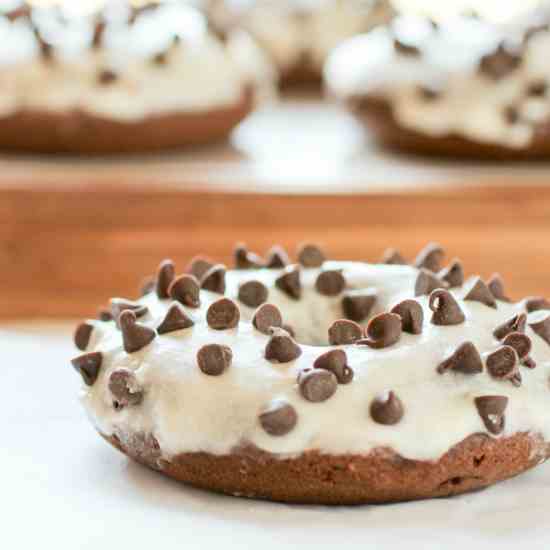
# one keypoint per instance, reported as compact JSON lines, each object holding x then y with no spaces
{"x":75,"y":232}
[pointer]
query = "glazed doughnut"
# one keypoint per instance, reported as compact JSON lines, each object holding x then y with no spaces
{"x":463,"y":87}
{"x":323,"y":381}
{"x":122,"y":79}
{"x":299,"y":34}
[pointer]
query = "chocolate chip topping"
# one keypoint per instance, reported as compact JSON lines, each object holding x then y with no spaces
{"x":536,"y":303}
{"x":278,"y":418}
{"x":386,"y":409}
{"x":289,"y":282}
{"x":99,"y":32}
{"x":357,"y":307}
{"x":107,"y":77}
{"x":88,"y":366}
{"x":214,"y":279}
{"x":310,"y":255}
{"x":165,"y":276}
{"x":503,"y":363}
{"x":542,"y":328}
{"x":317,"y":385}
{"x":515,"y":324}
{"x":125,"y":388}
{"x":104,"y":314}
{"x":344,"y":332}
{"x":185,"y":289}
{"x":496,"y":287}
{"x":464,"y":359}
{"x":252,"y":293}
{"x":537,"y":88}
{"x":429,"y":93}
{"x":500,"y":63}
{"x":383,"y":331}
{"x":511,"y":114}
{"x":335,"y":361}
{"x":175,"y":319}
{"x":281,"y":347}
{"x":426,"y":282}
{"x":198,"y":266}
{"x":478,"y":291}
{"x":491,"y":409}
{"x":82,"y":335}
{"x":430,"y":257}
{"x":244,"y":259}
{"x":277,"y":258}
{"x":266,"y":317}
{"x":405,"y":49}
{"x":453,"y":274}
{"x":118,"y":305}
{"x":223,"y":314}
{"x":214,"y":359}
{"x":446,"y":309}
{"x":412,"y":316}
{"x":392,"y":256}
{"x":135,"y":336}
{"x":330,"y":283}
{"x":520,"y":342}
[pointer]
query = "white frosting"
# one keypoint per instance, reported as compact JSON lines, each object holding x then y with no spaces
{"x":188,"y":411}
{"x":200,"y":74}
{"x":289,"y":29}
{"x":471,"y":104}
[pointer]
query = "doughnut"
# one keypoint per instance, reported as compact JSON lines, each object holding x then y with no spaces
{"x":299,"y":34}
{"x":123,"y":79}
{"x":322,"y":381}
{"x":460,"y":88}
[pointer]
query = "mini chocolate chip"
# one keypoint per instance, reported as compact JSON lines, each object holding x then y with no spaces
{"x":118,"y":305}
{"x":392,"y":256}
{"x":464,"y":359}
{"x":496,"y":286}
{"x":542,"y":328}
{"x":46,"y":49}
{"x":500,"y":63}
{"x":335,"y":361}
{"x":491,"y":410}
{"x":330,"y":283}
{"x":536,"y":303}
{"x":266,"y":317}
{"x":252,"y":293}
{"x":223,"y":314}
{"x":515,"y":324}
{"x":520,"y":342}
{"x":511,"y":114}
{"x":426,"y":282}
{"x":446,"y":309}
{"x":344,"y":332}
{"x":175,"y":319}
{"x":165,"y":275}
{"x":214,"y":359}
{"x":99,"y":31}
{"x":289,"y":329}
{"x":289,"y":282}
{"x":453,"y":274}
{"x":104,"y":314}
{"x":185,"y":289}
{"x":357,"y":307}
{"x":405,"y":49}
{"x":160,"y":58}
{"x":148,"y":284}
{"x":198,"y":266}
{"x":477,"y":291}
{"x":503,"y":363}
{"x":310,"y":255}
{"x":82,"y":335}
{"x":88,"y":366}
{"x":412,"y":316}
{"x":277,"y":258}
{"x":430,"y":257}
{"x":244,"y":259}
{"x":537,"y":88}
{"x":278,"y":418}
{"x":317,"y":385}
{"x":107,"y":77}
{"x":383,"y":331}
{"x":386,"y":409}
{"x":429,"y":93}
{"x":214,"y":279}
{"x":281,"y":347}
{"x":135,"y":336}
{"x":125,"y":388}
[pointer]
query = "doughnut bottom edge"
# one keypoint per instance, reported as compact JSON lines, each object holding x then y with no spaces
{"x":381,"y":476}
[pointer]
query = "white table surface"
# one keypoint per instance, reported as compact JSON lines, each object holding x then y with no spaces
{"x":62,"y":487}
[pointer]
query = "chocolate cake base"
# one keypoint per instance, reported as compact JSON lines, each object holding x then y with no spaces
{"x":377,"y":115}
{"x":381,"y":476}
{"x":78,"y":132}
